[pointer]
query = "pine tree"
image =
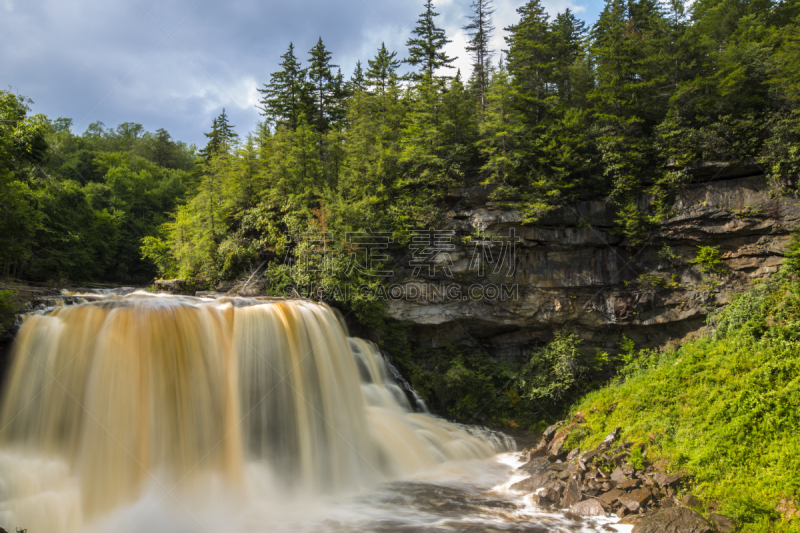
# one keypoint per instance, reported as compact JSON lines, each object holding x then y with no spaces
{"x":381,"y":69}
{"x":357,"y":81}
{"x":569,"y":42}
{"x":500,"y":132}
{"x":530,"y":59}
{"x":480,"y":30}
{"x":381,"y":74}
{"x":221,"y":138}
{"x":323,"y":83}
{"x":286,"y":96}
{"x":427,"y":48}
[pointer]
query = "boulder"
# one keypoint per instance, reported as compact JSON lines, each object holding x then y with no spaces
{"x":634,"y":500}
{"x":617,"y":474}
{"x":573,"y":454}
{"x":590,"y":507}
{"x":631,"y":519}
{"x":674,"y":520}
{"x":547,"y":496}
{"x":628,"y":484}
{"x":666,"y":480}
{"x":721,"y":523}
{"x":556,"y":448}
{"x":537,"y":465}
{"x":534,"y":482}
{"x":691,"y":501}
{"x":572,"y":494}
{"x":608,"y":498}
{"x":667,"y":502}
{"x":609,"y":440}
{"x":550,"y":431}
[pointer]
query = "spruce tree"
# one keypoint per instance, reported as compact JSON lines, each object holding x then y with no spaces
{"x":426,"y":50}
{"x":381,"y":69}
{"x":357,"y":81}
{"x":221,"y":138}
{"x":480,"y":30}
{"x":323,"y":84}
{"x":569,"y":43}
{"x":286,"y":96}
{"x":530,"y":59}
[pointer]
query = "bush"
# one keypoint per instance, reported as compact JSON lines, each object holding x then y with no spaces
{"x":709,"y":260}
{"x":9,"y":307}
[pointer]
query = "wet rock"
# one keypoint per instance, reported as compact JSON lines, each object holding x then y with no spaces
{"x":590,"y":507}
{"x":557,"y":486}
{"x":572,"y":494}
{"x":174,"y":286}
{"x":537,"y":465}
{"x":632,"y":519}
{"x":634,"y":500}
{"x":721,"y":523}
{"x":674,"y":520}
{"x":611,"y":496}
{"x":534,"y":482}
{"x":547,"y":496}
{"x":558,"y":467}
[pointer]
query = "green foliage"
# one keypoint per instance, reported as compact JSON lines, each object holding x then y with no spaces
{"x":637,"y":458}
{"x":471,"y":386}
{"x":426,"y":48}
{"x":722,"y":408}
{"x":9,"y":307}
{"x":709,"y":260}
{"x":76,"y":207}
{"x":557,"y":370}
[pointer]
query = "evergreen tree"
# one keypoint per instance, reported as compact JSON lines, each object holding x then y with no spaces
{"x":530,"y":59}
{"x":480,"y":30}
{"x":381,"y":74}
{"x":221,"y":138}
{"x":324,"y":85}
{"x":426,"y":50}
{"x":569,"y":41}
{"x":381,"y":69}
{"x":357,"y":81}
{"x":286,"y":96}
{"x":500,"y":133}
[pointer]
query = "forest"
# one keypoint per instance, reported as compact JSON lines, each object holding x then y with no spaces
{"x":565,"y":111}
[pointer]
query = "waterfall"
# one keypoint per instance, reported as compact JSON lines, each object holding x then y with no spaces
{"x":104,"y":399}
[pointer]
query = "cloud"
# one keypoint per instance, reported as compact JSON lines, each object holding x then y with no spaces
{"x":114,"y":62}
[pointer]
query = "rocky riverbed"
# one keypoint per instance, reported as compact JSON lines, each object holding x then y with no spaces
{"x":604,"y":481}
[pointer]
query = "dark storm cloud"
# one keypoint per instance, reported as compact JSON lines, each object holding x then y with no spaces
{"x":114,"y":61}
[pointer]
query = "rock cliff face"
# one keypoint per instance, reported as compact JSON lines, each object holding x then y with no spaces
{"x":572,"y":270}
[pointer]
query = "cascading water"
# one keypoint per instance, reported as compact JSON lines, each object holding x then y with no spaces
{"x":106,"y":400}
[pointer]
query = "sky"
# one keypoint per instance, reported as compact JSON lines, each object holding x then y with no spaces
{"x":176,"y":64}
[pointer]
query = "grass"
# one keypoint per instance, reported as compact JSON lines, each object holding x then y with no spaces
{"x":725,"y":408}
